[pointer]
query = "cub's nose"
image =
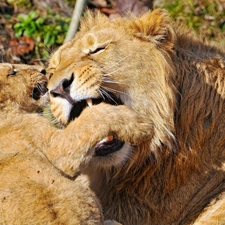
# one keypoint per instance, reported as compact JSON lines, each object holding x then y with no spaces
{"x":63,"y":88}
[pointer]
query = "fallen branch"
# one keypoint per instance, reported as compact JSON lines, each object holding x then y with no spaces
{"x":75,"y":21}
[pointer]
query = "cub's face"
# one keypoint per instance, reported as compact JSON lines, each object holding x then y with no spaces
{"x":22,"y":86}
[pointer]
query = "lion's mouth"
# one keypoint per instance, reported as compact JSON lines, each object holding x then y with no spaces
{"x":78,"y":107}
{"x":109,"y":144}
{"x":39,"y":90}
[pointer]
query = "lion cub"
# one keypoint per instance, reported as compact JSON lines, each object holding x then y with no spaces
{"x":32,"y":190}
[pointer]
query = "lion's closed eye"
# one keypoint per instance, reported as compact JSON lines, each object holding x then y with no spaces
{"x":97,"y":50}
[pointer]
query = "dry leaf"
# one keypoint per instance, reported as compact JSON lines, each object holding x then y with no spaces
{"x":22,"y":45}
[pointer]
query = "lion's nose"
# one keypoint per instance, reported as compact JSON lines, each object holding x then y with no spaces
{"x":63,"y":88}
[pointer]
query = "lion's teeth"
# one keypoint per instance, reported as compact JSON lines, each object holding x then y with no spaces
{"x":89,"y":102}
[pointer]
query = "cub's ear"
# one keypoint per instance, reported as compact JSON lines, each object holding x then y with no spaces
{"x":154,"y":26}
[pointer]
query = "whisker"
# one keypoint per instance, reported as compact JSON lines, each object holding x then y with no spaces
{"x":49,"y":49}
{"x":110,"y":81}
{"x":32,"y":94}
{"x":101,"y":93}
{"x":114,"y":90}
{"x":39,"y":87}
{"x":106,"y":75}
{"x":113,"y":72}
{"x":108,"y":67}
{"x":108,"y":96}
{"x":47,"y":113}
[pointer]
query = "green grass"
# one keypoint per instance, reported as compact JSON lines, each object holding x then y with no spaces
{"x":205,"y":17}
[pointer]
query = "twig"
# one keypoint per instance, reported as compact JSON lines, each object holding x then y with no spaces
{"x":75,"y":21}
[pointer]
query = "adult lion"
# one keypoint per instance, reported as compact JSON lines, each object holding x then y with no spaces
{"x":178,"y":84}
{"x":32,"y":190}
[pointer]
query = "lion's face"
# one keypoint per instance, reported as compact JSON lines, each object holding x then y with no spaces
{"x":83,"y":74}
{"x":123,"y":61}
{"x":22,"y":86}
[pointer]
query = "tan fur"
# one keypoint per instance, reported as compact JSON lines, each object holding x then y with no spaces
{"x":173,"y":81}
{"x":33,"y":191}
{"x":214,"y":213}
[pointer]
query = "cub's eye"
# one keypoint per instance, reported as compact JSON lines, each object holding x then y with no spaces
{"x":43,"y":71}
{"x":12,"y":72}
{"x":97,"y":50}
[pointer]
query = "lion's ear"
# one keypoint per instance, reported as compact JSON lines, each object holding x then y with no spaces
{"x":154,"y":26}
{"x":92,"y":19}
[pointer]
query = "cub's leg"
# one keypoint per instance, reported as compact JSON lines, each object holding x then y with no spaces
{"x":75,"y":146}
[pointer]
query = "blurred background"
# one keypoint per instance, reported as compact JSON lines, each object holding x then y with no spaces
{"x":31,"y":29}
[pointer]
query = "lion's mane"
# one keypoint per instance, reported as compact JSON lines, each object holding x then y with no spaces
{"x":178,"y":83}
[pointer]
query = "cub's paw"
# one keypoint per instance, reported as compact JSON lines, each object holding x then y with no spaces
{"x":101,"y":131}
{"x":131,"y":126}
{"x":120,"y":121}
